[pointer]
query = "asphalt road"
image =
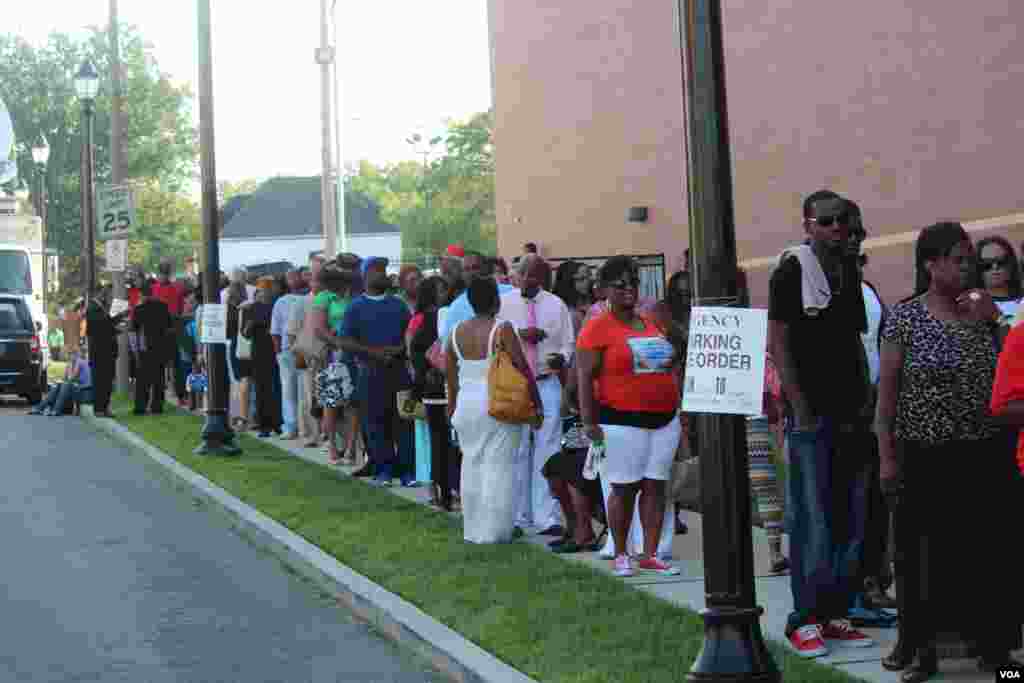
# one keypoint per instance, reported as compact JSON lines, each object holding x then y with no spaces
{"x":110,"y":573}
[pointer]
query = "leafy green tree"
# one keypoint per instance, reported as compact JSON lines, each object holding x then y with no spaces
{"x":37,"y":85}
{"x":447,"y":200}
{"x":169,"y":226}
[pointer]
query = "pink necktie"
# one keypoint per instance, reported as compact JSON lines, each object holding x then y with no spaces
{"x":531,"y":321}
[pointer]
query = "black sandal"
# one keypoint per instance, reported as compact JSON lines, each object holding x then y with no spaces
{"x":925,"y":665}
{"x":570,"y":547}
{"x":897,"y":660}
{"x":993,"y":664}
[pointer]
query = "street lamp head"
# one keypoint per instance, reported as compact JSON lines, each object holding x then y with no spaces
{"x":41,"y":152}
{"x":87,"y":82}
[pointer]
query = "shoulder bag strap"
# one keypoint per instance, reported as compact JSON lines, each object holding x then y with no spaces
{"x":491,"y":350}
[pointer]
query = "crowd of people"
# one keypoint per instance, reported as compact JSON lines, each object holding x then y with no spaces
{"x":874,"y":409}
{"x":897,"y":421}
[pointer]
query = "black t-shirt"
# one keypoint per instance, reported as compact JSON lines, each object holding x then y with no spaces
{"x":153,"y":319}
{"x":827,"y":349}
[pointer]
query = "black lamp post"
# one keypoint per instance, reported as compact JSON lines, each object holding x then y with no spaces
{"x":87,"y":85}
{"x":41,"y":155}
{"x":218,"y":439}
{"x":734,"y":649}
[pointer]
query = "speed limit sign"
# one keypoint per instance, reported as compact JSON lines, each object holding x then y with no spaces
{"x":116,"y":212}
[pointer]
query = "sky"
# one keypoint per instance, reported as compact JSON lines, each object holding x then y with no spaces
{"x":404,"y":66}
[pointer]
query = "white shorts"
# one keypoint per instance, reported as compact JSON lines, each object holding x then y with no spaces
{"x":633,"y":454}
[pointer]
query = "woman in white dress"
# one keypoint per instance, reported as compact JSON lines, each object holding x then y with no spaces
{"x":488,"y":447}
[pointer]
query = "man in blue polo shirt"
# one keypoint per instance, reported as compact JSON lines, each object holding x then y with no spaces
{"x":474,"y":265}
{"x":373,"y":331}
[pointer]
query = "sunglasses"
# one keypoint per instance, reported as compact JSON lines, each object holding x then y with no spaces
{"x":625,"y":283}
{"x":827,"y":221}
{"x":987,"y":264}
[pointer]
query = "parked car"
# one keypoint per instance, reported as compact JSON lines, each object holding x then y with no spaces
{"x":22,"y":361}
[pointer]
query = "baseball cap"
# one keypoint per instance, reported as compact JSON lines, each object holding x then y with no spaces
{"x":372,"y":261}
{"x":455,"y":251}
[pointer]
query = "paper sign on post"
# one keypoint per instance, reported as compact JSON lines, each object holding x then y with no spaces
{"x":117,"y":255}
{"x":725,"y":361}
{"x":213,"y":324}
{"x":117,"y":307}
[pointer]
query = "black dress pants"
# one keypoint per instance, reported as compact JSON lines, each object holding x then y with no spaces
{"x":263,"y":381}
{"x":102,"y":382}
{"x":444,"y":465}
{"x":150,"y":384}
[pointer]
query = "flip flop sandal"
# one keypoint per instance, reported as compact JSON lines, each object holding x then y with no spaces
{"x":572,"y":547}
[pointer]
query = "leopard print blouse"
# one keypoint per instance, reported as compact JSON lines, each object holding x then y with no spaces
{"x":946,"y":383}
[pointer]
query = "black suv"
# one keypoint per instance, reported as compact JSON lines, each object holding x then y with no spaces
{"x":22,"y":370}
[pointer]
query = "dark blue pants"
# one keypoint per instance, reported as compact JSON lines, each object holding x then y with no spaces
{"x":827,"y":504}
{"x":390,"y":440}
{"x":62,"y":397}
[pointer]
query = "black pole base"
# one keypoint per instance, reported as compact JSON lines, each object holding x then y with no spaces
{"x":218,"y":438}
{"x":734,"y":649}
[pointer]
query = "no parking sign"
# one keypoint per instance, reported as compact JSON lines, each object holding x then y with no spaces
{"x":725,"y":361}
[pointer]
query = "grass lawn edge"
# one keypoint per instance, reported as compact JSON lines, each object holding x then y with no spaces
{"x":530,"y":609}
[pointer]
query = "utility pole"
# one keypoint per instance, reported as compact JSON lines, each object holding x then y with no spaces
{"x":218,"y":439}
{"x":325,"y":57}
{"x":734,"y":649}
{"x":339,"y":161}
{"x":117,"y":173}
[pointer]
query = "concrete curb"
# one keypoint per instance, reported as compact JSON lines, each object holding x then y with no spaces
{"x":450,"y":653}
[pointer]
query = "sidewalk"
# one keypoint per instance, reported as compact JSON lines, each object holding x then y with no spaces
{"x":687,"y":589}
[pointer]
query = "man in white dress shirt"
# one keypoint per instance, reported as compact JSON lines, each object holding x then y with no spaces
{"x":545,"y":327}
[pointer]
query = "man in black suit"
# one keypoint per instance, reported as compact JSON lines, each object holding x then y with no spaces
{"x":152,"y":324}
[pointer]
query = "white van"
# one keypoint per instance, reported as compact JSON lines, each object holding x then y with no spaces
{"x":16,"y":279}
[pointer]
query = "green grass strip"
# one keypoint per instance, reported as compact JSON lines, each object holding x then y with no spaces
{"x":556,"y":621}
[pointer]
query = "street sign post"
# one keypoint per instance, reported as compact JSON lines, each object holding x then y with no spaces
{"x":116,"y":215}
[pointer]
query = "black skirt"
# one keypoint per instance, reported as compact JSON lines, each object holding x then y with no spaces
{"x":956,"y":526}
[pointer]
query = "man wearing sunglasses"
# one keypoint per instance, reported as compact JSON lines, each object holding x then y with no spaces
{"x":815,"y":320}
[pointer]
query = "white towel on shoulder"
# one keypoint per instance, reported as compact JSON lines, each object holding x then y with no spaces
{"x":817,"y":294}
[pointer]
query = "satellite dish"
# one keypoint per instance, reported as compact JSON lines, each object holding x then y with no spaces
{"x":8,"y":165}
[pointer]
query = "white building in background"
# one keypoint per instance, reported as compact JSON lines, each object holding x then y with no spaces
{"x":281,"y":223}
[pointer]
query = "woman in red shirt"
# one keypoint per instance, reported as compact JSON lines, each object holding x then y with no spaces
{"x":629,"y":400}
{"x":1008,"y":390}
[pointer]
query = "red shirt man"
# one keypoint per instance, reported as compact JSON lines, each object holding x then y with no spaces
{"x":170,"y":292}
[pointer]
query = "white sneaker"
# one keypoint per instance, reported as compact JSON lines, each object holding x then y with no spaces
{"x":622,"y":566}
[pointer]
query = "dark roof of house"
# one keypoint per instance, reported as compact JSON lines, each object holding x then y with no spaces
{"x":232,"y":207}
{"x":290,"y":207}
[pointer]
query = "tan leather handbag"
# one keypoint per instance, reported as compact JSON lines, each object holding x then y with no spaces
{"x":508,"y":389}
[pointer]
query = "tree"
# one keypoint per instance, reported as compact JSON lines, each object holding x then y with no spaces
{"x":442,"y":201}
{"x":169,"y":226}
{"x":37,"y":85}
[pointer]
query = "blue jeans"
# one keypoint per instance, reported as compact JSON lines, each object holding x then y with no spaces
{"x":390,"y":439}
{"x":289,"y":392}
{"x":59,"y":395}
{"x":826,"y":503}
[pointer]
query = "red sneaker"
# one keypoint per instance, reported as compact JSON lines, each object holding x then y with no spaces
{"x":807,"y":641}
{"x":652,"y":564}
{"x":841,"y":630}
